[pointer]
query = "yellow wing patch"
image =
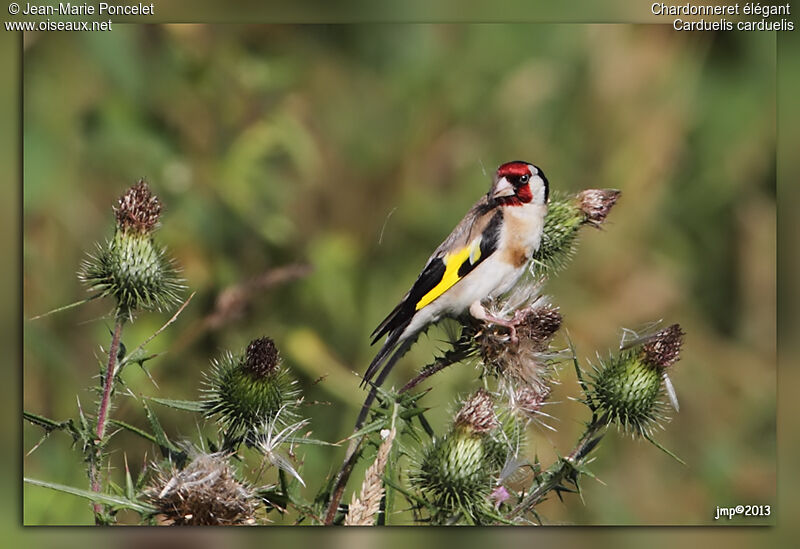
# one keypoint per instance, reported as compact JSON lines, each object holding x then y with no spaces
{"x":452,"y":262}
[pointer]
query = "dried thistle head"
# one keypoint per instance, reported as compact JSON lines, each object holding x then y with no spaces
{"x":538,"y":325}
{"x":596,"y":204}
{"x":261,"y":357}
{"x":526,"y":401}
{"x":664,"y":348}
{"x":138,"y":209}
{"x":204,"y":493}
{"x":527,"y":359}
{"x":477,"y":413}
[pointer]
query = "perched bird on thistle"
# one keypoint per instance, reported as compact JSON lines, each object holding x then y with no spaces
{"x":483,"y":257}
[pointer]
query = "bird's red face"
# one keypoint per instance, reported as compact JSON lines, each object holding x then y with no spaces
{"x":518,"y":183}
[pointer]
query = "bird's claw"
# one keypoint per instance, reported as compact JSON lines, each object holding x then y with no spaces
{"x":481,"y":314}
{"x":519,"y":316}
{"x":512,"y":333}
{"x":510,"y":325}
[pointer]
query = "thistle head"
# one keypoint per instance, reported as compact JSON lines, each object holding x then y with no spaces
{"x":456,"y":472}
{"x":537,"y":326}
{"x":138,"y":209}
{"x":565,"y":217}
{"x":663,"y":349}
{"x":526,"y":402}
{"x":261,"y":357}
{"x":205,"y":492}
{"x":131,"y":267}
{"x":477,"y":414}
{"x":526,"y":360}
{"x":244,"y":392}
{"x":629,"y":386}
{"x":595,"y":204}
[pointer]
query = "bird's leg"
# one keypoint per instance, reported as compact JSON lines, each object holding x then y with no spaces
{"x":479,"y":312}
{"x":519,"y":316}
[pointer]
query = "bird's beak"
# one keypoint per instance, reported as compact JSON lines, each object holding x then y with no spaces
{"x":503,"y":188}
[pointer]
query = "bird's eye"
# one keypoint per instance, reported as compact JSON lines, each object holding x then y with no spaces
{"x":524,"y":179}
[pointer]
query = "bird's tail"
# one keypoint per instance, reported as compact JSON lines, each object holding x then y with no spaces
{"x":399,"y":346}
{"x":392,"y":344}
{"x":392,"y":341}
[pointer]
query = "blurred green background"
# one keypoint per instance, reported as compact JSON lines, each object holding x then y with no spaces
{"x":354,"y":149}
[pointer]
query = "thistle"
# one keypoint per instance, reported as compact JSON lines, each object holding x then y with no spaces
{"x":272,"y":435}
{"x":246,"y":392}
{"x":631,"y":387}
{"x":131,"y":267}
{"x":139,"y":275}
{"x":206,"y":492}
{"x":526,"y":360}
{"x":476,"y":415}
{"x":525,"y":403}
{"x":456,"y":472}
{"x":565,"y":217}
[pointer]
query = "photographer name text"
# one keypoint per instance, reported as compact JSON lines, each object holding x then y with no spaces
{"x":102,"y":8}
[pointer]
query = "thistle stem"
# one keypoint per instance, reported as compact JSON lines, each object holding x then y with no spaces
{"x":102,"y":414}
{"x":341,"y":479}
{"x":109,"y":379}
{"x":460,"y":351}
{"x":557,"y":472}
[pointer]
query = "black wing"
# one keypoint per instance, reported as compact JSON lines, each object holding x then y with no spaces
{"x":398,"y":320}
{"x":432,"y":275}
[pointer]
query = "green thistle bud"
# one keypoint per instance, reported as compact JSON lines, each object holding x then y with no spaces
{"x":630,"y":387}
{"x":505,"y":441}
{"x":565,"y":217}
{"x":522,"y":405}
{"x":204,"y":493}
{"x":131,"y":267}
{"x":245,"y":392}
{"x":456,"y":472}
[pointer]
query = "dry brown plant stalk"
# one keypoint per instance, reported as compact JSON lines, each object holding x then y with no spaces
{"x":364,"y":508}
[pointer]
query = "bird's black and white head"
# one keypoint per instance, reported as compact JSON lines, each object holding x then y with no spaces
{"x":518,"y":183}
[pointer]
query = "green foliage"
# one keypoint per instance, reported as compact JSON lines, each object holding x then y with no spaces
{"x":116,"y":502}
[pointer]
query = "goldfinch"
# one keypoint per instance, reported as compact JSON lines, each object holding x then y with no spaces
{"x":482,"y":258}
